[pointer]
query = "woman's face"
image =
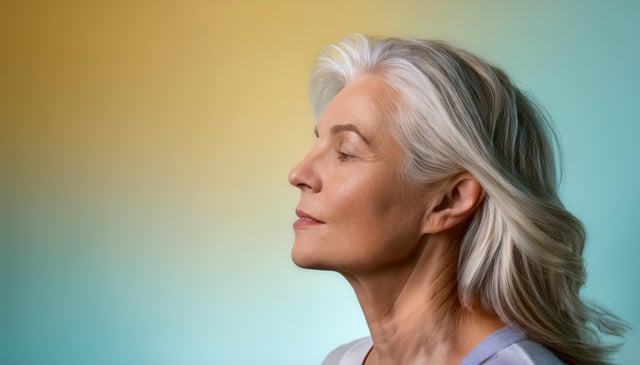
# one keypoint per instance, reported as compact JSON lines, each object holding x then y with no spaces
{"x":356,"y":212}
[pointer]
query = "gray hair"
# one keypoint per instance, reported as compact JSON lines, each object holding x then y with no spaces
{"x":521,"y":256}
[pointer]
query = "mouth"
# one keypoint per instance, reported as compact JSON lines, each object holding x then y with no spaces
{"x":305,"y":220}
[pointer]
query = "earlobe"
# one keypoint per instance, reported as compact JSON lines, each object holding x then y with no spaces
{"x":454,"y":204}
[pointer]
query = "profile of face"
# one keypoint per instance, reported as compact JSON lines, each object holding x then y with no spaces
{"x":357,"y":214}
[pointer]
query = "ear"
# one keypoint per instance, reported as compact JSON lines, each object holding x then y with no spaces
{"x":453,"y":204}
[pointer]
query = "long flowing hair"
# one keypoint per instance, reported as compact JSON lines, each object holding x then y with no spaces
{"x":521,"y":256}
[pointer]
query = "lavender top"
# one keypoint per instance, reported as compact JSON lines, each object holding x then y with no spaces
{"x":506,"y":346}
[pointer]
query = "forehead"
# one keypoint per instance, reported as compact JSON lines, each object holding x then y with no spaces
{"x":362,"y":102}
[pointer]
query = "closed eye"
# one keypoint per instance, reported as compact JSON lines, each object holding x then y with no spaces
{"x":342,"y":156}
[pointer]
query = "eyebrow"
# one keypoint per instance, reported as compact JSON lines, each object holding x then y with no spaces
{"x":338,"y":128}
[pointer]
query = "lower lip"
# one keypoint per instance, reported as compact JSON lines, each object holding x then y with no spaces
{"x":304,"y":223}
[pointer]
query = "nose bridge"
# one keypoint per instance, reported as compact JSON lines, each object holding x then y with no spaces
{"x":305,"y":173}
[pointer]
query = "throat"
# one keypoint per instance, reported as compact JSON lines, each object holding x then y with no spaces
{"x":414,"y":314}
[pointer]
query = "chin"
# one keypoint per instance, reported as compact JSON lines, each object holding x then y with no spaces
{"x":308,"y":258}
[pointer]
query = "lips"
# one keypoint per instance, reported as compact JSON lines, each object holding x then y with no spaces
{"x":305,"y":220}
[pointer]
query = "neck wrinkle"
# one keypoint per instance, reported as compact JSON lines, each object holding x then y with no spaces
{"x":413,"y":310}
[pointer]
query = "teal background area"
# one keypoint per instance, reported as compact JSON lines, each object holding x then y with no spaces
{"x":197,"y":270}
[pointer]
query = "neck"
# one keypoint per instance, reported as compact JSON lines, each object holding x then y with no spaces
{"x":413,"y":311}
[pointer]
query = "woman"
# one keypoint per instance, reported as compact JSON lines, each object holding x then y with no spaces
{"x":432,"y":189}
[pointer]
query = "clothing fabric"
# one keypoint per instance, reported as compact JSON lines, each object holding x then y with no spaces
{"x":506,"y":346}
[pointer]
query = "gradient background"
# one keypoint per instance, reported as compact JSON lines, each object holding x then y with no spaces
{"x":145,"y":214}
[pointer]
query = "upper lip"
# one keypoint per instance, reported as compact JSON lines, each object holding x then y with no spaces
{"x":304,"y":215}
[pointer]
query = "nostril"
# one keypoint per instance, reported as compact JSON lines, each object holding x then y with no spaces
{"x":303,"y":186}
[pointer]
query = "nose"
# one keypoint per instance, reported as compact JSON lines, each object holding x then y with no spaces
{"x":305,"y":176}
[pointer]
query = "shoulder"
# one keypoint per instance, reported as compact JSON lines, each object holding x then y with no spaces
{"x":352,"y":353}
{"x":509,"y":346}
{"x":524,"y":352}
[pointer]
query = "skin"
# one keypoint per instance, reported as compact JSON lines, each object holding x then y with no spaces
{"x":395,"y":244}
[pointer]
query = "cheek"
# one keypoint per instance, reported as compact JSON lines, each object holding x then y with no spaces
{"x":378,"y":216}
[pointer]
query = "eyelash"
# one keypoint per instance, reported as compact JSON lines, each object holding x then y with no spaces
{"x":342,"y":156}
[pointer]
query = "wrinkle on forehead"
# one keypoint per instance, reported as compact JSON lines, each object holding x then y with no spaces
{"x":371,"y":104}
